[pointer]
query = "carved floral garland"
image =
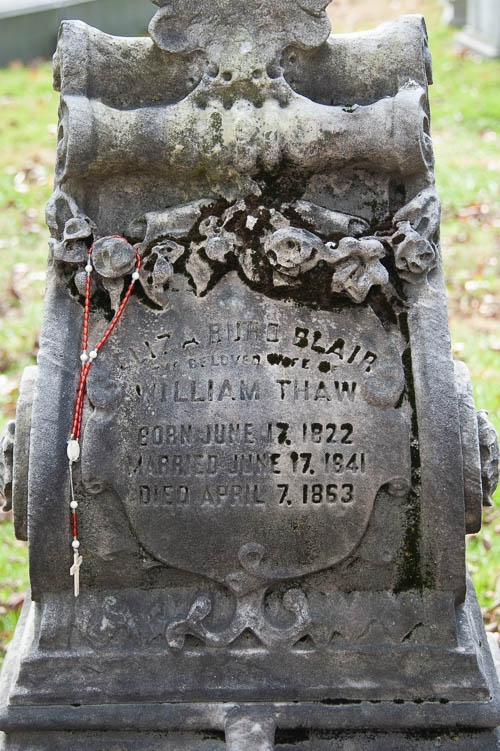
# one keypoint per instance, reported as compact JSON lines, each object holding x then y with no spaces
{"x":262,"y":242}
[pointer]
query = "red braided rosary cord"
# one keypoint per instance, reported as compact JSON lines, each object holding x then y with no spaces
{"x":87,"y":360}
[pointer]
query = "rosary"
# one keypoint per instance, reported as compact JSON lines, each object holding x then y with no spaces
{"x":87,"y":358}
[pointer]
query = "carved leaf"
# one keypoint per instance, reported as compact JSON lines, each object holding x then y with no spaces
{"x":200,"y":272}
{"x":69,"y":251}
{"x":170,"y":250}
{"x":247,"y":261}
{"x":155,"y":274}
{"x":488,"y":446}
{"x":73,"y":248}
{"x":176,"y":222}
{"x":78,"y":228}
{"x":357,"y":267}
{"x":423,"y":213}
{"x":277,"y":220}
{"x":114,"y":288}
{"x":327,"y":222}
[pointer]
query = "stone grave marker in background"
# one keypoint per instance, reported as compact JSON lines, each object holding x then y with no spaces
{"x":28,"y":28}
{"x":258,"y":474}
{"x":481,"y":34}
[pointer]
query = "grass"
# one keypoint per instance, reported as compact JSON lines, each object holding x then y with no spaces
{"x":28,"y":116}
{"x":466,"y":114}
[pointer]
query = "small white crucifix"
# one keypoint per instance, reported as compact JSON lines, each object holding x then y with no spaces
{"x":75,"y":571}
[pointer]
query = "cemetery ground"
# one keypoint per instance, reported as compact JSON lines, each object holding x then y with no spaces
{"x":466,"y":133}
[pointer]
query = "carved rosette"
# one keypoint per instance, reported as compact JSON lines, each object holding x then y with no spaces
{"x":416,"y":235}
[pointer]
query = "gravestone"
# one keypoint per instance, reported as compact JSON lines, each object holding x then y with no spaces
{"x":246,"y":499}
{"x":28,"y":28}
{"x":454,"y":12}
{"x":481,"y":34}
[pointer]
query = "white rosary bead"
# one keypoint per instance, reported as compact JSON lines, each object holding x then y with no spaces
{"x":75,"y":544}
{"x":84,"y":357}
{"x":73,"y":505}
{"x":89,"y":268}
{"x":93,"y":354}
{"x":135,"y":276}
{"x":73,"y":450}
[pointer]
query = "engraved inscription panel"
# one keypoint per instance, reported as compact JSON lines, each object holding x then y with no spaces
{"x":252,"y":434}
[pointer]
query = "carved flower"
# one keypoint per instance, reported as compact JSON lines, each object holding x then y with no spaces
{"x":200,"y":272}
{"x":73,"y":248}
{"x":414,"y":255}
{"x":357,"y":267}
{"x":113,"y":257}
{"x":292,"y":252}
{"x":219,"y":242}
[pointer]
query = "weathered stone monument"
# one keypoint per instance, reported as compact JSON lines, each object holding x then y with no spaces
{"x":249,"y":464}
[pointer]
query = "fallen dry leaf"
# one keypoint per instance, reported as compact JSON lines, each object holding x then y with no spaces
{"x":15,"y":600}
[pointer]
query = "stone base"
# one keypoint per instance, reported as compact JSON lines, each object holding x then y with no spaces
{"x":322,"y":725}
{"x":291,"y":740}
{"x":64,"y":656}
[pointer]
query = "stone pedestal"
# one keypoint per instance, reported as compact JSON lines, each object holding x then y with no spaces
{"x":247,"y":463}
